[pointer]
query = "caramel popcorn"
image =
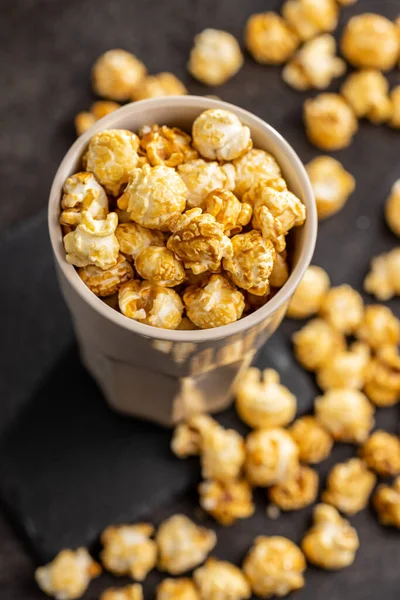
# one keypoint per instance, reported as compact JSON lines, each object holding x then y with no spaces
{"x":379,"y":327}
{"x":93,"y":242}
{"x":280,"y":271}
{"x":215,"y":57}
{"x":331,"y":183}
{"x":182,"y":544}
{"x":383,"y":380}
{"x":317,"y":343}
{"x":227,"y":501}
{"x":129,"y":550}
{"x":219,"y":135}
{"x":269,"y":38}
{"x":220,"y":580}
{"x":346,"y":414}
{"x":331,"y":543}
{"x":392,"y":208}
{"x":156,"y":86}
{"x":345,"y":369}
{"x":309,"y":294}
{"x":381,"y":452}
{"x":150,"y":303}
{"x":98,"y":110}
{"x":308,"y":18}
{"x":187,"y":437}
{"x":395,"y":100}
{"x":297,"y":492}
{"x":371,"y":41}
{"x":383,"y":281}
{"x":367,"y":92}
{"x":272,"y":457}
{"x":343,"y":308}
{"x":349,"y":486}
{"x":159,"y":265}
{"x":252,"y":167}
{"x":330,"y":122}
{"x":202,"y":177}
{"x":106,"y":282}
{"x":168,"y":146}
{"x":129,"y":592}
{"x":315,"y":65}
{"x":261,"y":401}
{"x":82,"y":192}
{"x":177,"y":589}
{"x":222,"y":453}
{"x":116,"y":74}
{"x":67,"y":577}
{"x":228,"y":210}
{"x":83,"y":122}
{"x":386,"y":502}
{"x":134,"y":238}
{"x":274,"y":566}
{"x":313,"y":440}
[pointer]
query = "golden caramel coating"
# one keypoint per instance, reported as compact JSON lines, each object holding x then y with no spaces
{"x":349,"y":486}
{"x":116,"y":73}
{"x":331,"y":183}
{"x":379,"y":327}
{"x":222,"y":453}
{"x":308,"y":18}
{"x":314,"y":442}
{"x":215,"y":57}
{"x":251,"y":263}
{"x":269,"y":39}
{"x":150,"y":303}
{"x":134,"y":238}
{"x":203,"y":177}
{"x":367,"y":92}
{"x":156,"y":86}
{"x":383,"y":381}
{"x":182,"y":545}
{"x":82,"y":192}
{"x":93,"y":242}
{"x":309,"y":294}
{"x":395,"y":100}
{"x":346,"y":414}
{"x":67,"y":577}
{"x":346,"y":369}
{"x":386,"y":502}
{"x":262,"y":401}
{"x":177,"y":589}
{"x":218,"y":134}
{"x":111,"y":157}
{"x":168,"y":146}
{"x":129,"y":550}
{"x":159,"y":265}
{"x":317,"y":343}
{"x":371,"y":41}
{"x":343,"y":308}
{"x":83,"y":121}
{"x":383,"y":280}
{"x":381,"y":452}
{"x":98,"y":110}
{"x":280,"y":272}
{"x":297,"y":492}
{"x":331,"y":543}
{"x":274,"y":566}
{"x":220,"y":580}
{"x":330,"y":121}
{"x":106,"y":282}
{"x":252,"y":167}
{"x":392,"y":208}
{"x":272,"y":457}
{"x":129,"y":592}
{"x":227,"y":501}
{"x":187,"y":437}
{"x":228,"y":210}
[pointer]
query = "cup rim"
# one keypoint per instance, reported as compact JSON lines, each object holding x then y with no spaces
{"x":201,"y":335}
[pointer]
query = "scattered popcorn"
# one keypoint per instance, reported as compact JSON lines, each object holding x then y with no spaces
{"x":346,"y":414}
{"x":222,"y":453}
{"x":187,"y":436}
{"x":129,"y":592}
{"x":252,"y":167}
{"x":392,"y":208}
{"x":67,"y":577}
{"x":314,"y":442}
{"x":371,"y":41}
{"x":331,"y":183}
{"x":317,"y":343}
{"x":182,"y":544}
{"x":296,"y":492}
{"x":395,"y":100}
{"x":156,"y":86}
{"x":82,"y":192}
{"x":228,"y":210}
{"x":93,"y":242}
{"x":330,"y":122}
{"x":150,"y":303}
{"x":177,"y":589}
{"x":383,"y":381}
{"x":167,"y":146}
{"x":349,"y":486}
{"x":269,"y":38}
{"x":227,"y":501}
{"x":331,"y":543}
{"x":379,"y":327}
{"x":98,"y":110}
{"x":308,"y":18}
{"x":274,"y":566}
{"x":261,"y":401}
{"x":367,"y":92}
{"x":106,"y":282}
{"x":220,"y":580}
{"x":219,"y":135}
{"x":386,"y":502}
{"x":215,"y":57}
{"x":272,"y":457}
{"x":83,"y":122}
{"x":202,"y":177}
{"x":309,"y":294}
{"x":345,"y":369}
{"x":159,"y":265}
{"x":383,"y":281}
{"x":116,"y":74}
{"x":134,"y":238}
{"x":381,"y":452}
{"x":343,"y":308}
{"x":280,"y":271}
{"x":129,"y":550}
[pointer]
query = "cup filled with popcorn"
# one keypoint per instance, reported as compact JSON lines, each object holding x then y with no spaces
{"x":181,"y":227}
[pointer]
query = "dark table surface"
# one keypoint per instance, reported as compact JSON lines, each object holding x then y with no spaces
{"x":47,"y":48}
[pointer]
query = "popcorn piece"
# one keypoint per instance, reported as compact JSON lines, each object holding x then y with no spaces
{"x":252,"y":167}
{"x":83,"y":121}
{"x":219,"y":135}
{"x":182,"y":545}
{"x":222,"y":453}
{"x":343,"y":308}
{"x":262,"y":402}
{"x":331,"y":543}
{"x":346,"y":369}
{"x":203,"y":177}
{"x":274,"y":566}
{"x":215,"y":57}
{"x":280,"y":272}
{"x":220,"y":580}
{"x":168,"y":146}
{"x":330,"y":122}
{"x":386,"y":502}
{"x":383,"y":380}
{"x":129,"y":550}
{"x":346,"y":414}
{"x":134,"y":238}
{"x":296,"y":492}
{"x":379,"y":327}
{"x":156,"y":86}
{"x":308,"y":18}
{"x":187,"y":437}
{"x":129,"y":592}
{"x":272,"y":457}
{"x":313,"y":441}
{"x":111,"y":157}
{"x":154,"y":196}
{"x":392,"y":208}
{"x":93,"y":242}
{"x":383,"y":281}
{"x":82,"y":192}
{"x":315,"y":65}
{"x":381,"y":452}
{"x":228,"y":210}
{"x":317,"y":343}
{"x":309,"y":294}
{"x":106,"y":282}
{"x":269,"y":39}
{"x":150,"y":303}
{"x":367,"y":92}
{"x":331,"y":183}
{"x":349,"y":486}
{"x":227,"y":501}
{"x":252,"y":262}
{"x":116,"y":74}
{"x":395,"y":100}
{"x":159,"y":265}
{"x":98,"y":110}
{"x":371,"y":41}
{"x":177,"y":589}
